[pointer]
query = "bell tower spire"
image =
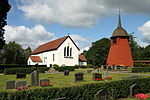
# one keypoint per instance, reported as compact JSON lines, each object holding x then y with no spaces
{"x":119,"y":19}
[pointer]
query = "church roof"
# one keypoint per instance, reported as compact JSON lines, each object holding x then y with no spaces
{"x":36,"y":58}
{"x":52,"y":45}
{"x":82,"y":58}
{"x":119,"y":31}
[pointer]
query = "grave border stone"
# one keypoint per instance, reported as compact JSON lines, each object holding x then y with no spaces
{"x":12,"y":86}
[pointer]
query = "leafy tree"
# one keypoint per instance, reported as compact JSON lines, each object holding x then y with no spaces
{"x":4,"y":8}
{"x":97,"y":54}
{"x":27,"y":53}
{"x":146,"y":53}
{"x":13,"y":53}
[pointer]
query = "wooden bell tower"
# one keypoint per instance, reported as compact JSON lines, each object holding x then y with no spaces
{"x":119,"y":53}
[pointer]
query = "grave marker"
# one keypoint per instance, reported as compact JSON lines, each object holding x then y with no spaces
{"x":20,"y":84}
{"x":10,"y":85}
{"x":97,"y":76}
{"x":102,"y":95}
{"x":106,"y":74}
{"x":20,"y":75}
{"x":78,"y":77}
{"x":35,"y":78}
{"x":134,"y":89}
{"x":66,"y":72}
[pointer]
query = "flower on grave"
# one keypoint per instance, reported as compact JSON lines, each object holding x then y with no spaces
{"x":22,"y":88}
{"x":108,"y":78}
{"x":97,"y":79}
{"x":45,"y":83}
{"x":141,"y":96}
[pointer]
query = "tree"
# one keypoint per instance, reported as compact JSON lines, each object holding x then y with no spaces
{"x":13,"y":53}
{"x":97,"y":54}
{"x":4,"y":8}
{"x":27,"y":53}
{"x":146,"y":53}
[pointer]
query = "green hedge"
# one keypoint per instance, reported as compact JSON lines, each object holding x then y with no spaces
{"x":24,"y":70}
{"x":63,"y":68}
{"x":117,"y":89}
{"x":140,"y":69}
{"x":140,"y":65}
{"x":2,"y":70}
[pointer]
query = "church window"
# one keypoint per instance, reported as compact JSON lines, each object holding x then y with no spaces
{"x":65,"y":51}
{"x":68,"y":51}
{"x":114,"y":40}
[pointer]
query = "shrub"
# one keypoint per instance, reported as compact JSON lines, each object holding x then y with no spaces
{"x":140,"y":69}
{"x":1,"y":70}
{"x":140,"y":65}
{"x":63,"y":68}
{"x":117,"y":89}
{"x":24,"y":70}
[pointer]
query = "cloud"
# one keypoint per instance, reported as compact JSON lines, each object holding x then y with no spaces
{"x":25,"y":36}
{"x":78,"y":13}
{"x":82,"y":42}
{"x":145,"y":32}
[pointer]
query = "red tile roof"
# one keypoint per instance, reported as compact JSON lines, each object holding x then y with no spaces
{"x":36,"y":58}
{"x":52,"y":45}
{"x":82,"y":58}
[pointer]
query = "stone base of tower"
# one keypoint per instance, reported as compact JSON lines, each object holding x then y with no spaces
{"x":119,"y":54}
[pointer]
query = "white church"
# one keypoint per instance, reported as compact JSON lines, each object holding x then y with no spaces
{"x":63,"y":52}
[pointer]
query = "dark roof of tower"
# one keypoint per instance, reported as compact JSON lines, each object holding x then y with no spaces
{"x":119,"y":31}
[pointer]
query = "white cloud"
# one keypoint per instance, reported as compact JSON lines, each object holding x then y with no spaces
{"x":145,"y":32}
{"x":78,"y":13}
{"x":25,"y":36}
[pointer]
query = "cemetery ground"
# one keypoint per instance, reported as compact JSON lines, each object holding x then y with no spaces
{"x":59,"y":80}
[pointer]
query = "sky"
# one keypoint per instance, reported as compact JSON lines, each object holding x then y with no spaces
{"x":34,"y":22}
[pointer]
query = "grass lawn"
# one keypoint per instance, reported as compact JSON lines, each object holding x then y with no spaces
{"x":59,"y":80}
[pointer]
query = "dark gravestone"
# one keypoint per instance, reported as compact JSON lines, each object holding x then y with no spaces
{"x":35,"y":78}
{"x":20,"y":84}
{"x":66,"y":72}
{"x":102,"y":95}
{"x":20,"y":75}
{"x":134,"y":89}
{"x":97,"y":76}
{"x":10,"y":85}
{"x":78,"y":77}
{"x":45,"y":83}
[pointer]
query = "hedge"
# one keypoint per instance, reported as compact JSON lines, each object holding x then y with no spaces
{"x":19,"y":66}
{"x":24,"y":70}
{"x":140,"y":65}
{"x":117,"y":89}
{"x":140,"y":69}
{"x":63,"y":68}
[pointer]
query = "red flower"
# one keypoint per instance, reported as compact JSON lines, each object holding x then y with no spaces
{"x":98,"y":79}
{"x":141,"y":96}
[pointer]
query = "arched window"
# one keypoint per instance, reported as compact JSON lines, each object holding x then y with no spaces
{"x":65,"y":51}
{"x":68,"y":51}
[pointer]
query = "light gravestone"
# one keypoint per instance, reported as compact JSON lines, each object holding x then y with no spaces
{"x":97,"y":76}
{"x":20,"y":84}
{"x":78,"y":77}
{"x":134,"y":89}
{"x":102,"y":95}
{"x":66,"y":72}
{"x":106,"y":74}
{"x":45,"y":83}
{"x":10,"y":85}
{"x":35,"y":78}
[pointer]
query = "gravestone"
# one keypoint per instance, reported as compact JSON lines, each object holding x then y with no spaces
{"x":102,"y":95}
{"x":97,"y":76}
{"x":20,"y":84}
{"x":109,"y":68}
{"x":20,"y":75}
{"x":45,"y":83}
{"x":35,"y":78}
{"x":66,"y":72}
{"x":106,"y":74}
{"x":78,"y":77}
{"x":134,"y":89}
{"x":10,"y":85}
{"x":89,"y":71}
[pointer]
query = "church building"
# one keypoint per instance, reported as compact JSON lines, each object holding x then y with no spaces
{"x":119,"y":53}
{"x":63,"y":52}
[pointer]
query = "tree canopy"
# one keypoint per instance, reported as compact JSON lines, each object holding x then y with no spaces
{"x":4,"y":8}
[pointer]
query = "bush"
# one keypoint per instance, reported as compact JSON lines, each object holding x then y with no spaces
{"x":117,"y":89}
{"x":140,"y":69}
{"x":140,"y":65}
{"x":1,"y":70}
{"x":63,"y":68}
{"x":24,"y":70}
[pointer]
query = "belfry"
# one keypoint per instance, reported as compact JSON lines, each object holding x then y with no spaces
{"x":119,"y":53}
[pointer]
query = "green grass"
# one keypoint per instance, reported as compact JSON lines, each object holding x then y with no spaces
{"x":59,"y":80}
